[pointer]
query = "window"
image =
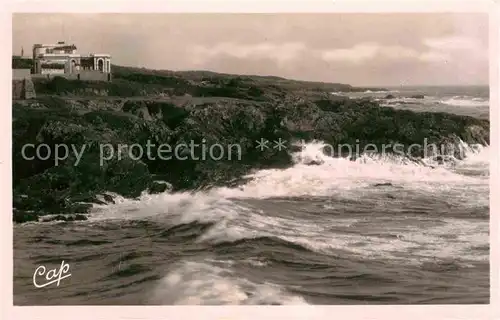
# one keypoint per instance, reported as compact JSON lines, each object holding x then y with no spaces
{"x":100,"y":65}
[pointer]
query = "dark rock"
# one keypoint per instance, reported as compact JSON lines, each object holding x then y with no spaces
{"x":21,"y":216}
{"x":81,"y":207}
{"x":445,"y":159}
{"x":159,"y":187}
{"x":98,"y":200}
{"x":108,"y":198}
{"x":314,"y":163}
{"x":67,"y":218}
{"x":385,"y":184}
{"x":417,"y":96}
{"x":80,"y":217}
{"x":389,"y":96}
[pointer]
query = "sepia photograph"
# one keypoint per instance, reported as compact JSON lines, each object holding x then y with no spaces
{"x":333,"y":158}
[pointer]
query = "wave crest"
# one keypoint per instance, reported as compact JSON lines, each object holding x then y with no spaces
{"x":197,"y":283}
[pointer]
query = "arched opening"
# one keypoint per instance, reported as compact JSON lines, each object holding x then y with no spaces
{"x":73,"y":66}
{"x":100,"y":65}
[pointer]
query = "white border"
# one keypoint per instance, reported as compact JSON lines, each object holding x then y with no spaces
{"x":246,"y":312}
{"x":252,"y":6}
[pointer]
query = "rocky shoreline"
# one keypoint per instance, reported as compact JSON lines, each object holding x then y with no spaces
{"x":161,"y":107}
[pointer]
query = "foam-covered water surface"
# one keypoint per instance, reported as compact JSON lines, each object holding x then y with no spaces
{"x":380,"y":229}
{"x":470,"y":101}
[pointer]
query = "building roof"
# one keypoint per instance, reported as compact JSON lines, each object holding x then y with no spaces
{"x":70,"y":47}
{"x":58,"y":45}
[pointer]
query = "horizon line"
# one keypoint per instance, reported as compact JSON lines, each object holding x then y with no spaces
{"x":368,"y":86}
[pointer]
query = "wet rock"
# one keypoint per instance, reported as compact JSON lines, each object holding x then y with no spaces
{"x":310,"y":161}
{"x":80,"y":207}
{"x":20,"y":216}
{"x":385,"y":184}
{"x":417,"y":96}
{"x":66,"y":217}
{"x":59,"y":218}
{"x":445,"y":159}
{"x":108,"y":198}
{"x":315,"y":163}
{"x":159,"y":187}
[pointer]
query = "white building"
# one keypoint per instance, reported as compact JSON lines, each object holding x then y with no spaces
{"x":62,"y":58}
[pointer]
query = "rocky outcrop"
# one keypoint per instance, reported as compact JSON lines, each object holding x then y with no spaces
{"x":43,"y":186}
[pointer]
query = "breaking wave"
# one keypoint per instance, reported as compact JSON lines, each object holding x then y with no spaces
{"x":239,"y":213}
{"x":466,"y":101}
{"x":203,"y":283}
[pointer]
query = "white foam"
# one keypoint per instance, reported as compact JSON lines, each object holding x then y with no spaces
{"x":236,"y":218}
{"x":201,"y":283}
{"x":179,"y":208}
{"x":340,"y":176}
{"x":477,"y":155}
{"x":333,"y":177}
{"x":465,"y":101}
{"x":384,"y":91}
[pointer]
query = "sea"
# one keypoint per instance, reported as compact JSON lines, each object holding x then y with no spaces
{"x":463,"y":100}
{"x":377,"y":230}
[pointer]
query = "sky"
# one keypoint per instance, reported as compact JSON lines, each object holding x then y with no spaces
{"x":369,"y":49}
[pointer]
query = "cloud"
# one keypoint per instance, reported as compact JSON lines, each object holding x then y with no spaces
{"x":280,"y":53}
{"x":287,"y":53}
{"x":432,"y":56}
{"x":355,"y":48}
{"x":464,"y":47}
{"x":356,"y":54}
{"x":451,"y":43}
{"x":369,"y":51}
